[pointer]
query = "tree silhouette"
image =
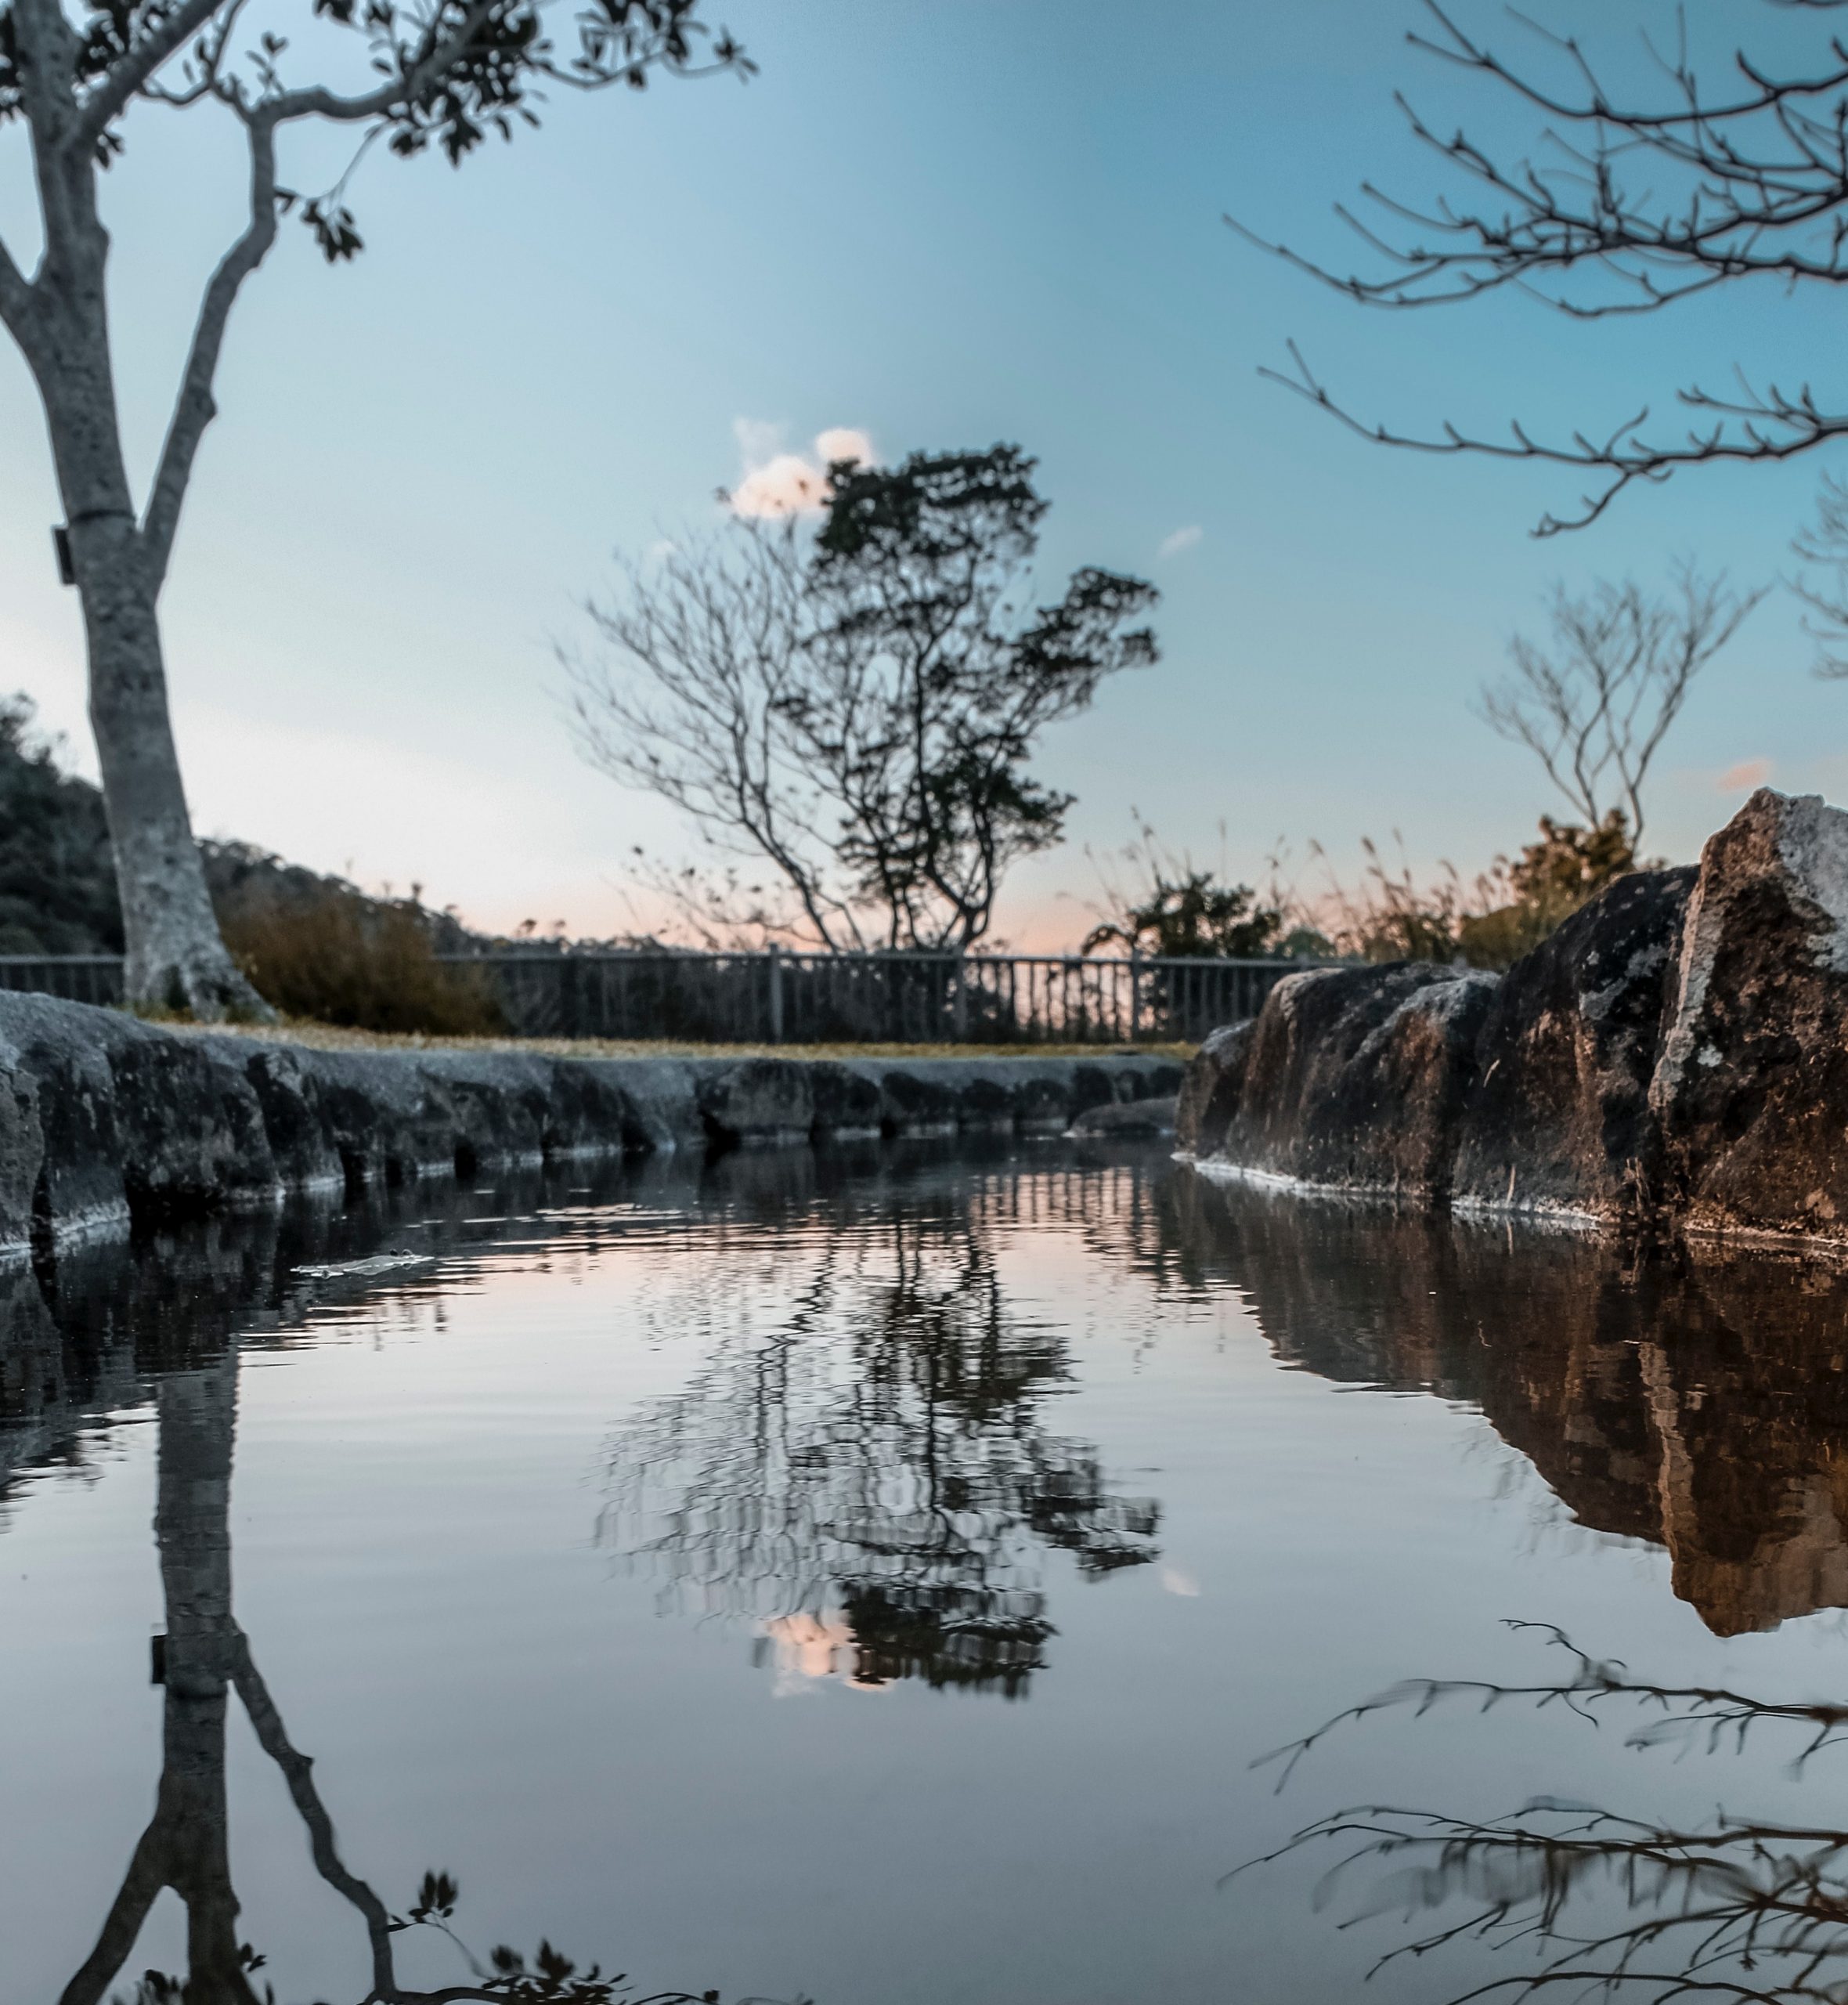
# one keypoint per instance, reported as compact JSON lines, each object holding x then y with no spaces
{"x":851,"y":714}
{"x":873,"y":1473}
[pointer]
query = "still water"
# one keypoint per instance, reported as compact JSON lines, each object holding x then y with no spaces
{"x":878,"y":1578}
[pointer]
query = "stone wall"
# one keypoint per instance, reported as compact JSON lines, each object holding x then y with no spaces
{"x":105,"y":1121}
{"x":1676,"y":1054}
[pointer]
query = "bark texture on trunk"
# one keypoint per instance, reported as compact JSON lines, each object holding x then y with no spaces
{"x":176,"y":958}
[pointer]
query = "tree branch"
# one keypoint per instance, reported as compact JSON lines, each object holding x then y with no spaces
{"x":110,"y":98}
{"x":1624,"y":455}
{"x":316,"y":101}
{"x":194,"y":409}
{"x":17,"y":298}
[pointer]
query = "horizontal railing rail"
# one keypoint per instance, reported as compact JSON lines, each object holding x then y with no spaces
{"x":774,"y":997}
{"x":76,"y":977}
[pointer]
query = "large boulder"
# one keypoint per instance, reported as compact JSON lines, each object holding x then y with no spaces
{"x":1209,"y":1091}
{"x":1750,"y":1090}
{"x":587,"y":1111}
{"x":1126,"y":1120}
{"x":914,"y":1099}
{"x":848,"y":1105}
{"x":190,"y":1126}
{"x":22,"y":1157}
{"x":662,"y":1099}
{"x":1356,"y":1077}
{"x":500,"y":1101}
{"x":1559,"y":1120}
{"x":80,"y":1192}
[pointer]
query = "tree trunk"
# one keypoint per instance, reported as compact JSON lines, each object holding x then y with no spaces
{"x":176,"y":958}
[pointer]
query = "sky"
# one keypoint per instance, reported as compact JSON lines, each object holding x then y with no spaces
{"x":939,"y":225}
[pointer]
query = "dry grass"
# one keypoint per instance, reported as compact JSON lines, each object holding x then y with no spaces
{"x":328,"y":1037}
{"x":363,"y":965}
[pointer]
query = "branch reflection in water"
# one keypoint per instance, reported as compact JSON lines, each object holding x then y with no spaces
{"x":862,"y":1464}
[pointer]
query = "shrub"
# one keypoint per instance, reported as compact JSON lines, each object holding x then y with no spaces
{"x":365,"y":963}
{"x":1506,"y":912}
{"x":1550,"y":880}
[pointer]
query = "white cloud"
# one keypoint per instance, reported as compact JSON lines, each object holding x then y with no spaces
{"x":1185,"y":539}
{"x":786,"y":485}
{"x":843,"y":442}
{"x":776,"y":483}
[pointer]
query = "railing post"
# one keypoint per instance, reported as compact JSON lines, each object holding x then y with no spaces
{"x":776,"y":995}
{"x":1135,"y":995}
{"x":962,"y":980}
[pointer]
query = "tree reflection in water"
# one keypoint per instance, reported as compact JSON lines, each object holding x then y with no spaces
{"x":871,"y":1476}
{"x":201,"y":1661}
{"x":110,"y":1328}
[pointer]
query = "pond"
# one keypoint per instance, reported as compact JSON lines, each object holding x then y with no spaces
{"x":879,"y":1577}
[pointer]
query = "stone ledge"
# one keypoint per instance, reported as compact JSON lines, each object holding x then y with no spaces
{"x":105,"y":1121}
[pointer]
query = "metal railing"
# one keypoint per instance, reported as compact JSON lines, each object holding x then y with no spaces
{"x":76,"y":977}
{"x":777,"y":997}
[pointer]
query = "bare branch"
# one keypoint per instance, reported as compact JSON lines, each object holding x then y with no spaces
{"x":1623,"y":206}
{"x":1624,"y":455}
{"x":195,"y":407}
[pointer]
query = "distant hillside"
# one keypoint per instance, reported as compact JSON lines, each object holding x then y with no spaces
{"x":57,"y":877}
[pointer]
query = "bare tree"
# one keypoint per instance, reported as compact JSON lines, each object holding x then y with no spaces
{"x":693,"y":703}
{"x":1824,"y":542}
{"x":1595,"y":708}
{"x":446,"y":72}
{"x":1628,"y":204}
{"x":856,"y":710}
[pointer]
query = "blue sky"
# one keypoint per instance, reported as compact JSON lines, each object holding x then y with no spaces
{"x":944,"y":224}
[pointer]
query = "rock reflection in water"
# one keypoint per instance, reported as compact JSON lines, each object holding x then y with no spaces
{"x":1695,"y":1400}
{"x":866,"y":1468}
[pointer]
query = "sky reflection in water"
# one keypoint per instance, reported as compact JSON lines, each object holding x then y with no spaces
{"x":873,"y":1576}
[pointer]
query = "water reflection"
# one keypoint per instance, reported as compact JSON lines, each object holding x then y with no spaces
{"x":1694,"y":1400}
{"x":161,"y":1320}
{"x":864,"y":1455}
{"x":864,"y":1462}
{"x":202,"y":1659}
